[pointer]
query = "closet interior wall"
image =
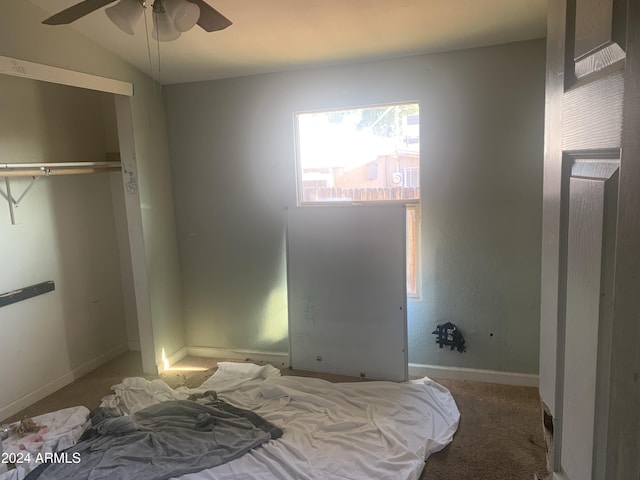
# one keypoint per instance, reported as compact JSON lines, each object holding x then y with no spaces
{"x":69,"y":229}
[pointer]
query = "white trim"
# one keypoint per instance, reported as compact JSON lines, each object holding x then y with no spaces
{"x":47,"y":73}
{"x":281,"y":359}
{"x":276,"y":358}
{"x":474,"y":374}
{"x":560,"y":476}
{"x":168,"y":360}
{"x":60,"y":382}
{"x":137,"y":253}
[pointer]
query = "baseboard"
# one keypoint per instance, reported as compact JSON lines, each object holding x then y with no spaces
{"x":100,"y":360}
{"x":62,"y":381}
{"x":281,"y":359}
{"x":166,"y":361}
{"x":473,"y":374}
{"x":275,"y":358}
{"x":134,"y":346}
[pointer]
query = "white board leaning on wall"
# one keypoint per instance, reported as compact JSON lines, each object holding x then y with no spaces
{"x":346,"y":276}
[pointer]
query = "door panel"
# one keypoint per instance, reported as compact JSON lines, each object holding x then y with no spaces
{"x":599,"y":35}
{"x":591,"y":219}
{"x":590,"y":139}
{"x":590,"y":311}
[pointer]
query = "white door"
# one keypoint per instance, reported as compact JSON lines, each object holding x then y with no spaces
{"x":590,"y":311}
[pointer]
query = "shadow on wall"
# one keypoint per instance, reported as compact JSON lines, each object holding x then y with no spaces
{"x":234,"y":274}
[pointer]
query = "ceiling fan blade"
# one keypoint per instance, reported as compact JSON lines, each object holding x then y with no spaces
{"x":76,"y":11}
{"x":210,"y":19}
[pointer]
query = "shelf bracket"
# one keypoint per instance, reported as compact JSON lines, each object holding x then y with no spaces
{"x":13,"y":203}
{"x":9,"y":200}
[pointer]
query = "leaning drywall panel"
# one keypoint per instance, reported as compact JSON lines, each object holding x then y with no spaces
{"x":347,"y":290}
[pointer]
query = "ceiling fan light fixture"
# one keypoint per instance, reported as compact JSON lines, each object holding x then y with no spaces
{"x":125,"y":14}
{"x":185,"y":14}
{"x":163,"y":28}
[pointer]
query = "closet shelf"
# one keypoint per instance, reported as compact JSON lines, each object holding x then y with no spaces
{"x":48,"y":169}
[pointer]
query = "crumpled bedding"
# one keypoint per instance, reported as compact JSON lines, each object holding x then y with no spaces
{"x":332,"y":431}
{"x":357,"y":431}
{"x":161,"y":441}
{"x":64,"y":428}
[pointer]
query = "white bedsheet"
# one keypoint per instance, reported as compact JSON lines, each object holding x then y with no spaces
{"x":357,"y":431}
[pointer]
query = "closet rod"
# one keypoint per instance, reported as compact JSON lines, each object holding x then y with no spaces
{"x":66,"y":168}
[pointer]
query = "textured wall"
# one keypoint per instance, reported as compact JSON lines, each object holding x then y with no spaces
{"x":233,"y":169}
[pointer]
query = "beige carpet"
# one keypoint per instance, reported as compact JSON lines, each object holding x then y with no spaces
{"x":500,"y":434}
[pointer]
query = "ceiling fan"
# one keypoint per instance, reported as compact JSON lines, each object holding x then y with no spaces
{"x":171,"y":17}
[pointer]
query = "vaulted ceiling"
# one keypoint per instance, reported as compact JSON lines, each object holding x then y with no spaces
{"x":276,"y":35}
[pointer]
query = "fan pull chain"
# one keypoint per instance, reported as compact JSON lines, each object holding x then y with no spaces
{"x":158,"y":44}
{"x":146,"y":31}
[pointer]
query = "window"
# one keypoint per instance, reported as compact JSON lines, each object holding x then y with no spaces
{"x":364,"y":155}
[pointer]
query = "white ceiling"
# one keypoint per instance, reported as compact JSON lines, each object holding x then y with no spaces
{"x":276,"y":35}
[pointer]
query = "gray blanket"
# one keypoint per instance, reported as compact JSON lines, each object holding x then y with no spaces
{"x":161,"y":441}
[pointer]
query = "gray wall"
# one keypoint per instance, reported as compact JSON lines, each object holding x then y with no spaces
{"x":232,"y":153}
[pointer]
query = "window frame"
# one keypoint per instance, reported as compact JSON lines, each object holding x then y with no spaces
{"x":411,"y":204}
